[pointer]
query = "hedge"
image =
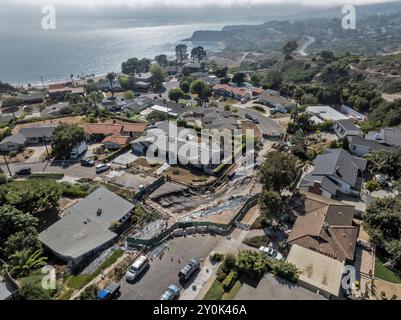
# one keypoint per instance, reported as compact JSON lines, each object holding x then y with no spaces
{"x":55,"y":176}
{"x":229,"y":280}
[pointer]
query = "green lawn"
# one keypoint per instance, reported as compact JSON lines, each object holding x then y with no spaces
{"x":216,"y":291}
{"x":384,"y":273}
{"x":233,"y":292}
{"x":81,"y":280}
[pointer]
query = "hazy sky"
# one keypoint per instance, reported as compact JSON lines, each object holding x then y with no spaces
{"x":188,"y":3}
{"x":172,"y":11}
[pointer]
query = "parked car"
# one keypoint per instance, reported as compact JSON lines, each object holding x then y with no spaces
{"x":110,"y":292}
{"x":191,"y":267}
{"x":102,"y":167}
{"x":255,"y":120}
{"x":248,"y":116}
{"x":171,"y":293}
{"x":270,"y":252}
{"x":23,"y":172}
{"x":87,"y":162}
{"x":136,"y":269}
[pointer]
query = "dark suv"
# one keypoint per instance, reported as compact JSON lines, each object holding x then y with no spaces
{"x":23,"y":172}
{"x":191,"y":267}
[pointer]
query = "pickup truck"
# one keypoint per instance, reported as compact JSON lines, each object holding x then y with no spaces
{"x":110,"y":292}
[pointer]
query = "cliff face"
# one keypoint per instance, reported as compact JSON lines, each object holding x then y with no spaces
{"x":205,"y":35}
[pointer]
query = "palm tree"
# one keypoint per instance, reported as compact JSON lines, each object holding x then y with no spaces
{"x":95,"y":97}
{"x":111,"y":77}
{"x":22,"y":262}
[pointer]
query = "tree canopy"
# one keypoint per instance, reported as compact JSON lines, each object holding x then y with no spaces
{"x":65,"y":138}
{"x":198,"y":53}
{"x":383,"y":224}
{"x":278,"y":171}
{"x":181,"y":52}
{"x":158,"y":76}
{"x":176,"y":94}
{"x":31,"y":195}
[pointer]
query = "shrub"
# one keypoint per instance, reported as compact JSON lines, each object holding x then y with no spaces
{"x":259,"y":223}
{"x":257,"y":241}
{"x":229,"y":280}
{"x":286,"y":270}
{"x":372,"y":185}
{"x":89,"y":293}
{"x":217,"y":257}
{"x":221,"y":276}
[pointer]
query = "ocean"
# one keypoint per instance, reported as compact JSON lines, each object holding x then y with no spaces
{"x":27,"y":52}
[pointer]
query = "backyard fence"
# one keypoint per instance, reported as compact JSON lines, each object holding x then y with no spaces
{"x":193,"y":227}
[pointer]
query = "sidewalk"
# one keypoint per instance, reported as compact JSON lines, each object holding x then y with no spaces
{"x":207,"y":274}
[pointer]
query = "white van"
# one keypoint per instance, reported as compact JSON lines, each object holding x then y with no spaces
{"x":137,"y":268}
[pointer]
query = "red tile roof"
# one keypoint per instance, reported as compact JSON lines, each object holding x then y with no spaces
{"x":120,"y":140}
{"x":134,"y":127}
{"x":325,"y":226}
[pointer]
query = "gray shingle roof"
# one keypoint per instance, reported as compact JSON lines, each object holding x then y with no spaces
{"x":371,"y":144}
{"x":348,"y":125}
{"x":82,"y":230}
{"x":37,"y":132}
{"x":15,"y":138}
{"x":388,"y":136}
{"x":340,"y":163}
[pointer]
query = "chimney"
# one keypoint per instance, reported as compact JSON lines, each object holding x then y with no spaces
{"x":316,"y":188}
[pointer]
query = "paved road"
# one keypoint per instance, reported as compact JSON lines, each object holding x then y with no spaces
{"x":164,"y":271}
{"x":69,"y":169}
{"x":267,"y":125}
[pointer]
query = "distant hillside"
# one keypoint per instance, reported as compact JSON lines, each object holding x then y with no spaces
{"x":378,"y":31}
{"x":5,"y":87}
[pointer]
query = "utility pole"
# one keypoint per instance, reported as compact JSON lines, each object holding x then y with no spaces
{"x":8,"y":168}
{"x":47,"y":151}
{"x":43,"y":83}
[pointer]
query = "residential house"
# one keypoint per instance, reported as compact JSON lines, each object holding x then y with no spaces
{"x":138,"y":104}
{"x":318,"y":273}
{"x":279,"y":103}
{"x":172,"y":70}
{"x":175,"y":145}
{"x":104,"y":85}
{"x":346,"y":128}
{"x":321,"y":113}
{"x":228,"y":91}
{"x":90,"y":225}
{"x":143,"y":81}
{"x":115,"y":142}
{"x":113,"y":135}
{"x":38,"y":134}
{"x":325,"y":226}
{"x":13,"y":143}
{"x":323,"y":239}
{"x":360,"y":146}
{"x":57,"y":92}
{"x":335,"y":171}
{"x":31,"y":97}
{"x":352,"y":113}
{"x":191,"y":67}
{"x":386,"y":136}
{"x":387,"y":139}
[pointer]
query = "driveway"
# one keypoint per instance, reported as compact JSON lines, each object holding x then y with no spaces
{"x":125,"y":158}
{"x":274,"y":288}
{"x":164,"y":268}
{"x":38,"y":152}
